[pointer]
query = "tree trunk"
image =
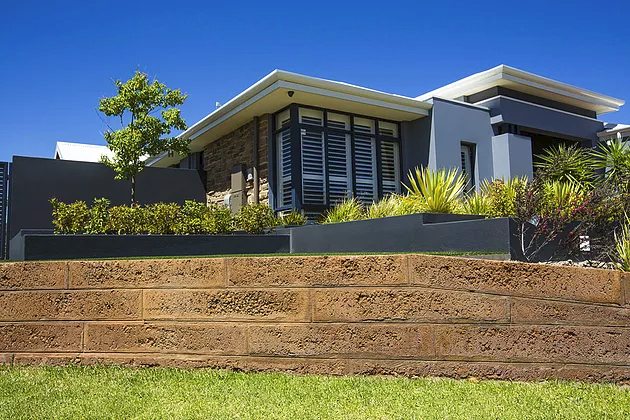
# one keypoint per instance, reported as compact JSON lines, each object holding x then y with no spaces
{"x":133,"y":190}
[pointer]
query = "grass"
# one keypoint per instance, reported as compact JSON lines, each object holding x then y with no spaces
{"x":152,"y":393}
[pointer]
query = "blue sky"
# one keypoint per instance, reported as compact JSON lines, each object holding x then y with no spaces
{"x":58,"y":58}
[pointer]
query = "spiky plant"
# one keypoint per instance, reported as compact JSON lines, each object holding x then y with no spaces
{"x":476,"y":203}
{"x":567,"y":164}
{"x":500,"y":195}
{"x":622,"y":246}
{"x":386,"y":207}
{"x":614,"y":159}
{"x":562,"y":198}
{"x":436,"y":191}
{"x":348,"y":210}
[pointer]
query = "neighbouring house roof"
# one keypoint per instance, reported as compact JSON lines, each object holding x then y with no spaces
{"x":530,"y":83}
{"x":613,"y":129}
{"x":270,"y":94}
{"x":80,"y":151}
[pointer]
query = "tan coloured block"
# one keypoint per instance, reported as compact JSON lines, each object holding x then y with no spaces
{"x":33,"y":275}
{"x":536,"y":311}
{"x":70,"y":305}
{"x":626,"y":282}
{"x":205,"y":338}
{"x":409,"y":304}
{"x":341,"y":340}
{"x":173,"y":273}
{"x":311,"y":271}
{"x":283,"y":304}
{"x":40,"y":337}
{"x":516,"y":279}
{"x":560,"y":344}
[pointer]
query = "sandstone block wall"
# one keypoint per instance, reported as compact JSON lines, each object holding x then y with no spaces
{"x":394,"y":314}
{"x":232,"y":149}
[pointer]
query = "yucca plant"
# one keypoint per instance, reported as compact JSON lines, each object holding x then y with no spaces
{"x":567,"y":164}
{"x":622,"y":246}
{"x":437,"y":191}
{"x":614,"y":159}
{"x":348,"y":210}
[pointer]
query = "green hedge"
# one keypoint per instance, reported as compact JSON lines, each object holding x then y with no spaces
{"x":163,"y":218}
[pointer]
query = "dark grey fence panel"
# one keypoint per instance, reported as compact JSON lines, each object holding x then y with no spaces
{"x":4,"y":184}
{"x":34,"y":181}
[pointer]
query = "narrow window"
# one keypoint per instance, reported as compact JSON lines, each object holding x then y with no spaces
{"x":313,"y":177}
{"x":467,"y":165}
{"x":283,"y":152}
{"x":390,"y":171}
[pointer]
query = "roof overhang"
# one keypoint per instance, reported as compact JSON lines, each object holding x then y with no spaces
{"x":271,"y":94}
{"x":530,"y":83}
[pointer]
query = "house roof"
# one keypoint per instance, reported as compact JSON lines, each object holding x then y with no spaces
{"x":80,"y":151}
{"x":612,"y":128}
{"x":271,"y":93}
{"x":526,"y":82}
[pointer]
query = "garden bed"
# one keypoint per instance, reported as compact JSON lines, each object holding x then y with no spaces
{"x":45,"y":245}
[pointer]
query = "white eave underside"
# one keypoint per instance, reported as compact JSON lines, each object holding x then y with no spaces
{"x":271,"y":94}
{"x":528,"y":83}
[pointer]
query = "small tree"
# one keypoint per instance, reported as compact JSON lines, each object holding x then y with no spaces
{"x":148,"y":114}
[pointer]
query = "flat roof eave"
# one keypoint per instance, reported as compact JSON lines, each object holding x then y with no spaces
{"x":270,"y":94}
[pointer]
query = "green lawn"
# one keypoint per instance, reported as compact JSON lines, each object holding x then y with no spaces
{"x":113,"y":392}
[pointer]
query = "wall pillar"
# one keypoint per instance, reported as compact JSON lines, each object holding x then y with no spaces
{"x":512,"y":156}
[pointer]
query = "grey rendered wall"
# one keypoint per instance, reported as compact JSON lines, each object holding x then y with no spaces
{"x":34,"y":181}
{"x":453,"y":123}
{"x":543,"y":119}
{"x":416,"y":139}
{"x":512,"y":156}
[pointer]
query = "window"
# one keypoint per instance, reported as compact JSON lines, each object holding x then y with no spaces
{"x":467,"y":165}
{"x":341,"y":156}
{"x":283,"y":147}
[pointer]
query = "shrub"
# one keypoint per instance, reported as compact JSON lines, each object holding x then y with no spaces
{"x":125,"y":220}
{"x":218,"y":219}
{"x":255,"y":218}
{"x":476,"y":203}
{"x":561,"y":199}
{"x":98,"y":217}
{"x":293,"y":218}
{"x":501,"y":196}
{"x":386,"y":207}
{"x":567,"y":164}
{"x":437,"y":191}
{"x":193,"y":218}
{"x":622,"y":246}
{"x":162,"y":218}
{"x":70,"y":218}
{"x":348,"y":210}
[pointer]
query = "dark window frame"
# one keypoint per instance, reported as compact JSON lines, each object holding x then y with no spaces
{"x":296,"y":126}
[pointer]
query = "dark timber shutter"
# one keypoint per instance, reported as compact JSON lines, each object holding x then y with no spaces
{"x":365,"y":167}
{"x":389,"y":167}
{"x":313,"y":178}
{"x":284,"y":168}
{"x":339,"y":167}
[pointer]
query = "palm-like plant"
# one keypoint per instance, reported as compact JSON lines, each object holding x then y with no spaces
{"x":437,"y":191}
{"x":567,"y":164}
{"x":614,"y":158}
{"x":477,"y":203}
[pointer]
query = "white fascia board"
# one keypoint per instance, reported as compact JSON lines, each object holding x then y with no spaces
{"x":279,"y":79}
{"x":491,"y":77}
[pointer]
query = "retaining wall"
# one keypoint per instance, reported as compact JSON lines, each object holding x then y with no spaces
{"x":396,"y":314}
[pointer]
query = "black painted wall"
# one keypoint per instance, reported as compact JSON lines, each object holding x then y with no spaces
{"x":34,"y":181}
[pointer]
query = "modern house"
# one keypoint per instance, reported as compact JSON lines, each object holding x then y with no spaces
{"x":306,"y":143}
